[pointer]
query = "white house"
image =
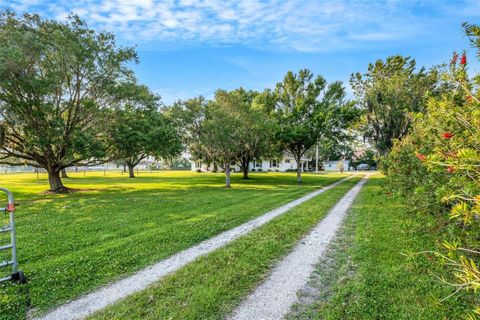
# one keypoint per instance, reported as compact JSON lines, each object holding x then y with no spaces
{"x":334,"y":165}
{"x":287,"y":162}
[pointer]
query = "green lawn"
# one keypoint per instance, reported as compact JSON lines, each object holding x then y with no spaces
{"x":211,"y":286}
{"x":366,"y":274}
{"x":70,"y":244}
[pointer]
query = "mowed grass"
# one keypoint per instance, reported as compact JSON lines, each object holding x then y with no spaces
{"x":71,"y":244}
{"x":213,"y":285}
{"x":372,"y":271}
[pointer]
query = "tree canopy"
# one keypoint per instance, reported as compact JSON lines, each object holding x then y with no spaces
{"x":231,"y":128}
{"x":388,"y":92}
{"x":307,"y":109}
{"x":138,"y":129}
{"x":56,"y":80}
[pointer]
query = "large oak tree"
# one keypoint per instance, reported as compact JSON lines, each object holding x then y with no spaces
{"x":56,"y":80}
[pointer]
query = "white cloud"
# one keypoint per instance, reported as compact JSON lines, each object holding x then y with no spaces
{"x":289,"y":24}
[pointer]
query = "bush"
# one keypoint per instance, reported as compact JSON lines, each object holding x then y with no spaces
{"x":253,"y":170}
{"x":408,"y":177}
{"x":199,"y":170}
{"x":437,"y":170}
{"x":259,"y":170}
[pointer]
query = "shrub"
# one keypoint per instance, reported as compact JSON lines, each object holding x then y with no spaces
{"x":408,"y":177}
{"x":437,"y":169}
{"x":259,"y":169}
{"x":253,"y":170}
{"x":199,"y":170}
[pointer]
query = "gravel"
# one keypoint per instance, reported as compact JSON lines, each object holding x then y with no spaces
{"x":97,"y":300}
{"x":274,"y":297}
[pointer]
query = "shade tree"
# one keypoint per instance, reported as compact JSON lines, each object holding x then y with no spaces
{"x":56,"y":81}
{"x":388,"y":93}
{"x":256,"y":136}
{"x":230,"y":129}
{"x":188,"y":116}
{"x":308,"y":109}
{"x":220,"y":133}
{"x":138,"y":129}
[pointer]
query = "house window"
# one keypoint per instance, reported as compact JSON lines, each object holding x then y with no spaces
{"x":199,"y":164}
{"x":287,"y":160}
{"x":273,"y":163}
{"x":257,"y":163}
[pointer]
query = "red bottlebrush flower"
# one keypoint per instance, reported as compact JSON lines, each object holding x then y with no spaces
{"x":421,"y":157}
{"x":469,"y":98}
{"x":463,"y":61}
{"x":450,"y":169}
{"x":447,"y":135}
{"x":454,"y":58}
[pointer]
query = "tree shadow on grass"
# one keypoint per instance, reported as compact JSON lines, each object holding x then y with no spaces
{"x":69,"y":244}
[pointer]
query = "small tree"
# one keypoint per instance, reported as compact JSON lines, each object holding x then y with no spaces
{"x":341,"y":166}
{"x":56,"y":80}
{"x":139,"y":129}
{"x":307,"y":110}
{"x":188,"y":116}
{"x":257,"y":131}
{"x":220,"y":134}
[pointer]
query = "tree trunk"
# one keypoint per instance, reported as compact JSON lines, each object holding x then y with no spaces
{"x":245,"y":173}
{"x":245,"y":164}
{"x":299,"y":175}
{"x":125,"y":168}
{"x":131,"y":173}
{"x":227,"y":175}
{"x":299,"y":169}
{"x":64,"y":173}
{"x":56,"y":184}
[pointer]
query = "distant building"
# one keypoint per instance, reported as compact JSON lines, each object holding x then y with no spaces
{"x":286,"y":163}
{"x":334,"y":165}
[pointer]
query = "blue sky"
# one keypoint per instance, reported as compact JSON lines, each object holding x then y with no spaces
{"x":193,"y":47}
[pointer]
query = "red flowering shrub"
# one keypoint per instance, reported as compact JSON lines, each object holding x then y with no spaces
{"x":454,"y":58}
{"x":437,"y":169}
